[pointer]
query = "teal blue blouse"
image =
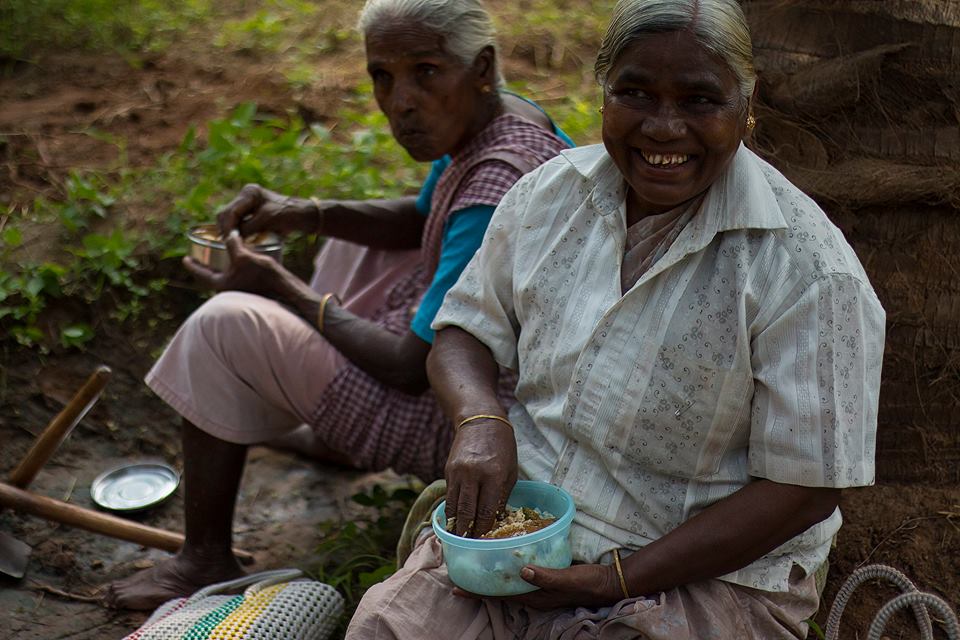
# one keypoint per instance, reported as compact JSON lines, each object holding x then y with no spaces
{"x":462,"y":236}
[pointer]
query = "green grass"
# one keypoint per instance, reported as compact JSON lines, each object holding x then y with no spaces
{"x":280,"y":27}
{"x":113,"y":265}
{"x":110,"y":261}
{"x":355,"y":555}
{"x":109,"y":269}
{"x":34,"y":26}
{"x":557,"y":34}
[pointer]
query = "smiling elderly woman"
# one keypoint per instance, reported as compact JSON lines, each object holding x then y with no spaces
{"x":345,"y":355}
{"x":699,"y":356}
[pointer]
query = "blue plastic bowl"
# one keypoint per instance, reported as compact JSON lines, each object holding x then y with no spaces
{"x":492,"y":567}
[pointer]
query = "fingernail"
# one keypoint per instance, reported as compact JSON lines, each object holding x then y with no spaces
{"x":235,"y":233}
{"x":527,"y":573}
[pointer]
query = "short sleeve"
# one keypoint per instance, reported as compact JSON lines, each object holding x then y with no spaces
{"x":817,"y":386}
{"x":461,"y":239}
{"x":482,"y":301}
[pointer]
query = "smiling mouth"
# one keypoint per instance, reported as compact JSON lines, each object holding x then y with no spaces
{"x":663,"y":160}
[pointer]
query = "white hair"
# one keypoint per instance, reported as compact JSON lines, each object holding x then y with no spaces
{"x":464,"y":25}
{"x":718,"y":25}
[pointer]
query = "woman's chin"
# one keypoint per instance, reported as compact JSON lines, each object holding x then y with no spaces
{"x":422,"y":153}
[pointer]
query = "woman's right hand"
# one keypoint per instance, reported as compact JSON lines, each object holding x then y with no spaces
{"x":256,"y":209}
{"x":481,"y":471}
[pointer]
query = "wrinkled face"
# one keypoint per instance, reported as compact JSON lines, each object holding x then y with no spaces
{"x":430,"y":97}
{"x":673,"y":119}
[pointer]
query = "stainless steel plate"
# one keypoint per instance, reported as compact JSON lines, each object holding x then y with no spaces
{"x":134,"y":487}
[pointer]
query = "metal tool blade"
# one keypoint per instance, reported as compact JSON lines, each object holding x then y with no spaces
{"x":14,"y":555}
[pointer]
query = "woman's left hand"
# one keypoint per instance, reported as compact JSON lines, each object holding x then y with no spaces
{"x":579,"y":585}
{"x":248,"y":271}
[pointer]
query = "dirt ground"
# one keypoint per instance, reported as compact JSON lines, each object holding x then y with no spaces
{"x":914,"y":527}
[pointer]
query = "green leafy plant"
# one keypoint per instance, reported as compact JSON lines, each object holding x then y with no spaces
{"x":816,"y":630}
{"x":111,"y":264}
{"x":23,"y":296}
{"x":357,"y":554}
{"x":295,"y":34}
{"x":264,"y":30}
{"x":559,"y":33}
{"x":121,"y":25}
{"x":86,"y":199}
{"x":580,"y":119}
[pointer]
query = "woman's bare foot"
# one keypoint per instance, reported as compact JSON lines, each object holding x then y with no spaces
{"x":179,"y":576}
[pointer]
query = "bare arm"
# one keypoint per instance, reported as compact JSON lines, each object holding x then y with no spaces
{"x":383,"y":224}
{"x":482,"y":466}
{"x":728,"y":535}
{"x":396,"y":361}
{"x":463,"y":374}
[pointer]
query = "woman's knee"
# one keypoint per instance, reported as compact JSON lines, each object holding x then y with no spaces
{"x":225,"y":306}
{"x":231,"y":314}
{"x":371,"y":619}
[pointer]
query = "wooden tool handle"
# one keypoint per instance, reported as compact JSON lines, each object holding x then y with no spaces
{"x":54,"y":434}
{"x":95,"y":521}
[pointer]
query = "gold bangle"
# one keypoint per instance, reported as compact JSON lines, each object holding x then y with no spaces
{"x":323,"y":307}
{"x":623,"y":583}
{"x":484,"y":417}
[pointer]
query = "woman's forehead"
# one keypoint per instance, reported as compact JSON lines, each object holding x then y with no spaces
{"x":403,"y":40}
{"x":693,"y":78}
{"x":676,"y":56}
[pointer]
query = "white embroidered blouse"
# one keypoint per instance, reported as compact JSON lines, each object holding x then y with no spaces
{"x":751,"y":349}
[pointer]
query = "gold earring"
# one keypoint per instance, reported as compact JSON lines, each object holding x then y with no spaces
{"x":486,"y":88}
{"x":751,"y":122}
{"x":600,"y":110}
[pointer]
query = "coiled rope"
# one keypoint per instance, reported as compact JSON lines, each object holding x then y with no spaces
{"x":911,"y":597}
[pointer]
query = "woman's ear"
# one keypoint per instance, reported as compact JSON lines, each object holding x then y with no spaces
{"x":485,"y":67}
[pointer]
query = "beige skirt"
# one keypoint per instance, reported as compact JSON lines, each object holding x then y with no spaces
{"x":246,"y":369}
{"x":416,"y":602}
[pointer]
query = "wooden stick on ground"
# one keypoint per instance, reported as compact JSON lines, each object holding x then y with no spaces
{"x":95,"y":521}
{"x":54,"y":434}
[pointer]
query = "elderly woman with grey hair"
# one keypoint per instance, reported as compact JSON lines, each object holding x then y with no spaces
{"x":336,"y":368}
{"x":699,"y":355}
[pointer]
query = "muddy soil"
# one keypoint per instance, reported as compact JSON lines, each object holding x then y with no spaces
{"x":914,"y":527}
{"x":283,"y":497}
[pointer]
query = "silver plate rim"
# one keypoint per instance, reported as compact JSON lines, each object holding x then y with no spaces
{"x":127,"y":466}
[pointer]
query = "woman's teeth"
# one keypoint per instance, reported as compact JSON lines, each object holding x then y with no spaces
{"x":664,"y":160}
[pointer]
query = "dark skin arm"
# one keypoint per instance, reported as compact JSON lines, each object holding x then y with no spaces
{"x":395,"y":361}
{"x":382,"y":224}
{"x":728,"y":535}
{"x":481,"y":471}
{"x":482,"y":466}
